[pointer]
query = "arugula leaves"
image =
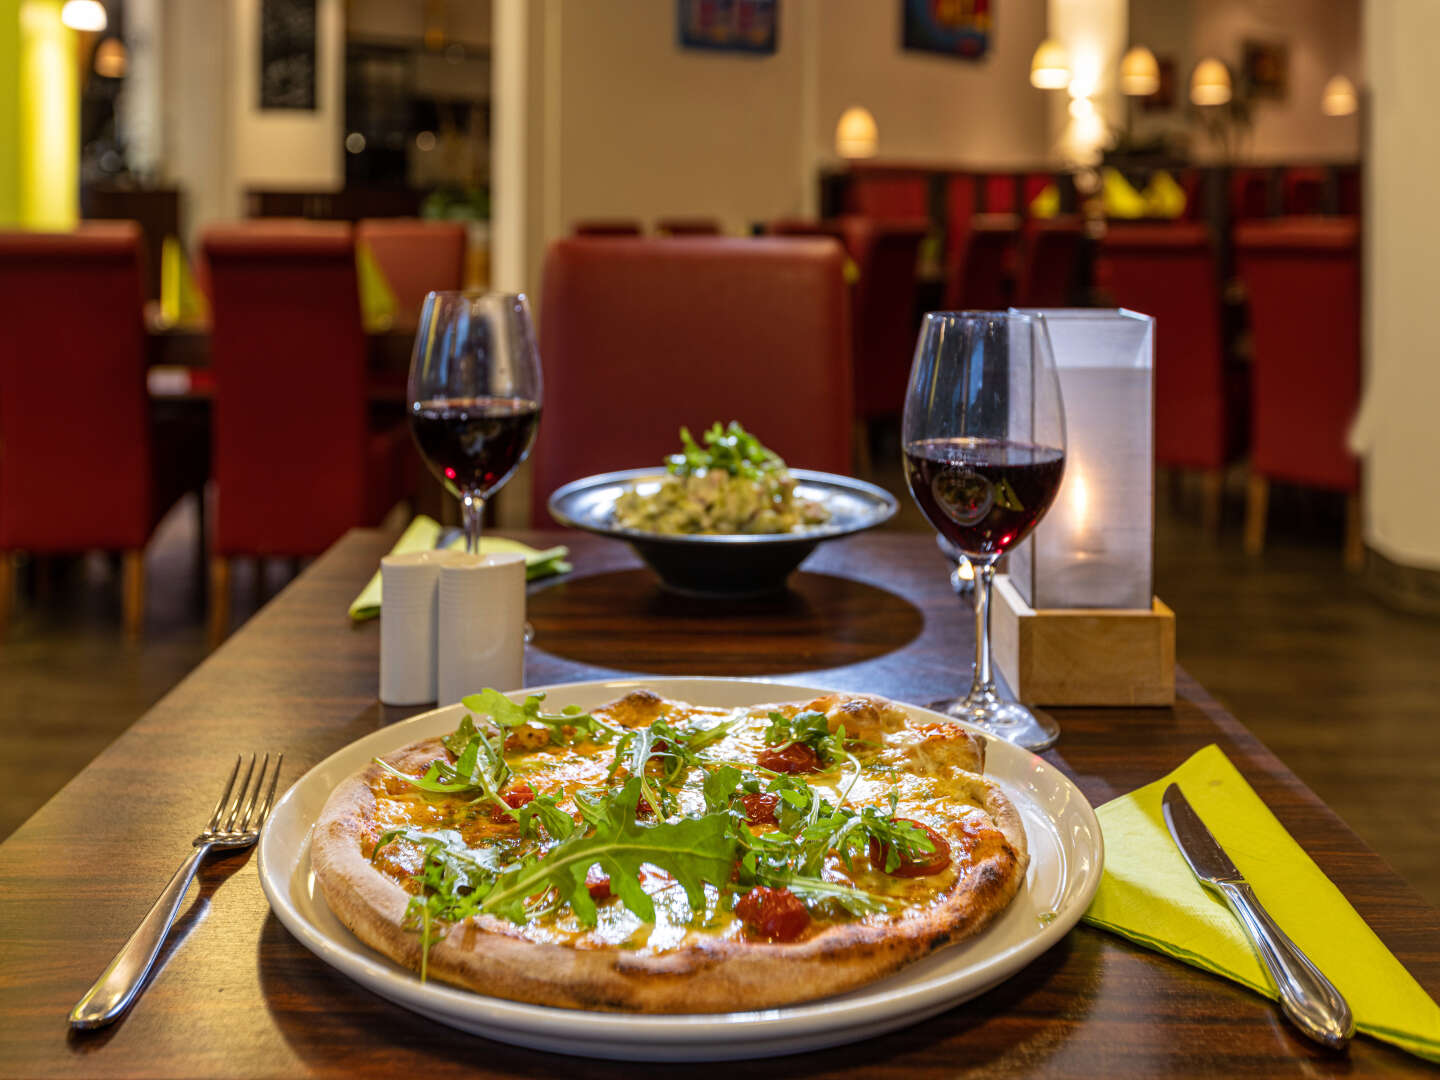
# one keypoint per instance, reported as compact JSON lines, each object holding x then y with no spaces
{"x":731,"y":448}
{"x":543,"y":868}
{"x":692,"y":850}
{"x":565,"y":726}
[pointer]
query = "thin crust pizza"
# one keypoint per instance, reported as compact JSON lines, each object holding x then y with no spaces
{"x":658,"y":856}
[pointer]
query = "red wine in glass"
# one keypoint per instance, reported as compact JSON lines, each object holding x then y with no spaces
{"x":983,"y":495}
{"x":474,"y":444}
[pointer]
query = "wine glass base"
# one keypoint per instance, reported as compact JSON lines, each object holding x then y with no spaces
{"x":1005,"y":720}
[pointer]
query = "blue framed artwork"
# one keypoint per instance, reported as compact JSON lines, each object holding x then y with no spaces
{"x":748,"y":26}
{"x":952,"y":27}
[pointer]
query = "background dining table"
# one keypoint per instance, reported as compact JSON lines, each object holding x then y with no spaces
{"x":235,"y":995}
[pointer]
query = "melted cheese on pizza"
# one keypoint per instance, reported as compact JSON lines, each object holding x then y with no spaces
{"x":931,"y":770}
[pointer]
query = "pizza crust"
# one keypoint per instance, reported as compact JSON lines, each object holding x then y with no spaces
{"x":491,"y":956}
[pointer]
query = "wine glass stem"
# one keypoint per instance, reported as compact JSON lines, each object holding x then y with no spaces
{"x":983,"y":684}
{"x":472,"y":509}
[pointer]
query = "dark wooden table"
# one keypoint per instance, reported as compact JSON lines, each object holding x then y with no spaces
{"x":236,"y":995}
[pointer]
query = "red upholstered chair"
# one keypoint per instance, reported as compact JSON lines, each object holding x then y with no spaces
{"x":978,"y":275}
{"x":607,"y":227}
{"x":1168,"y":271}
{"x":883,"y":191}
{"x":1049,"y":261}
{"x":1304,"y":190}
{"x":962,"y":193}
{"x":688,"y":227}
{"x":295,"y":463}
{"x":416,"y":257}
{"x":76,"y":441}
{"x":640,"y":337}
{"x":1000,"y":194}
{"x":883,"y":317}
{"x":1303,"y":281}
{"x":1249,"y":195}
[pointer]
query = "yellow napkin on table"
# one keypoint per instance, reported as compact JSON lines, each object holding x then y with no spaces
{"x":377,"y":300}
{"x":1149,"y":895}
{"x":421,"y":535}
{"x":181,"y":301}
{"x":1121,"y":200}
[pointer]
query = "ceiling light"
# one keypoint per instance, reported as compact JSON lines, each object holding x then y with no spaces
{"x":84,"y":15}
{"x":111,"y":59}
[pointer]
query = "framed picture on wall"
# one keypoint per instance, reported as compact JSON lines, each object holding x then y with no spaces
{"x":748,"y":26}
{"x":1163,"y":99}
{"x":958,"y":28}
{"x":287,"y":54}
{"x":1265,"y":69}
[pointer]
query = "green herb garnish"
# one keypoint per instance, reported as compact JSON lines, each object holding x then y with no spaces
{"x":731,"y":449}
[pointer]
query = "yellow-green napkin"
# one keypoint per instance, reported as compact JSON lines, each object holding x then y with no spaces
{"x":421,"y":534}
{"x":1149,"y":895}
{"x":377,"y":300}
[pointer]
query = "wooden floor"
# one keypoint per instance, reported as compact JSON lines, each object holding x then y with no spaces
{"x":1345,"y":691}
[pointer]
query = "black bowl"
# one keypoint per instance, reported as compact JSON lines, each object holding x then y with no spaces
{"x":728,"y":564}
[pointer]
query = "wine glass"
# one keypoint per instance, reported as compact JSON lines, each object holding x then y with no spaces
{"x":474,"y":394}
{"x":984,"y":445}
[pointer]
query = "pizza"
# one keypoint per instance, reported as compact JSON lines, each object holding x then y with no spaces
{"x":657,"y":856}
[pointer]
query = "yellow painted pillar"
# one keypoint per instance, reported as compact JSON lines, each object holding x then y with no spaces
{"x":9,"y":112}
{"x":49,"y":118}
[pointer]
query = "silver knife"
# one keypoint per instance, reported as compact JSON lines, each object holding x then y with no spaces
{"x":1307,"y":997}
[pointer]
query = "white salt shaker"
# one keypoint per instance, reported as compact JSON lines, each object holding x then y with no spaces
{"x":482,"y":625}
{"x":409,"y":623}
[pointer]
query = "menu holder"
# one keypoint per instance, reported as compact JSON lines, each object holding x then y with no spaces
{"x":1082,"y":656}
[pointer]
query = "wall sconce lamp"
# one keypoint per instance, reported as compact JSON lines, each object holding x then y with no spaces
{"x":856,"y":135}
{"x":1139,"y":72}
{"x":1210,"y":82}
{"x":1339,"y":97}
{"x":1050,"y":66}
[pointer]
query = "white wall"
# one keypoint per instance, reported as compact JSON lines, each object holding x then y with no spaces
{"x":646,"y":129}
{"x":464,"y":21}
{"x":1398,"y":434}
{"x":1323,"y":38}
{"x":287,"y":148}
{"x":195,"y":98}
{"x":931,"y":108}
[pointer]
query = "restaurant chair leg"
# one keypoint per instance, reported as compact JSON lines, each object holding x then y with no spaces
{"x":1354,"y":533}
{"x":1212,"y":488}
{"x":219,"y":600}
{"x":132,"y":577}
{"x":7,"y":589}
{"x":1257,"y":506}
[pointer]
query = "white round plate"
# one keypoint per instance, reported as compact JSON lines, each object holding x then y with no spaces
{"x":1066,"y":854}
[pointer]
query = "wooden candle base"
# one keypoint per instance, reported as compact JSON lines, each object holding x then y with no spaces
{"x":1090,"y":656}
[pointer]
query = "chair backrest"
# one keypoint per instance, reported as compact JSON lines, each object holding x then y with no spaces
{"x":416,"y":256}
{"x":1249,"y":194}
{"x":1304,"y":190}
{"x":883,"y":318}
{"x":688,"y":227}
{"x":1303,"y":280}
{"x":1049,"y":261}
{"x":1168,"y":271}
{"x":638,"y":337}
{"x":75,"y":449}
{"x":977,"y":274}
{"x":607,"y":227}
{"x":289,"y":414}
{"x":962,"y":193}
{"x":883,"y":191}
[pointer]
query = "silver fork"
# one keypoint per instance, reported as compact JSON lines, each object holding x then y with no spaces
{"x":234,"y":824}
